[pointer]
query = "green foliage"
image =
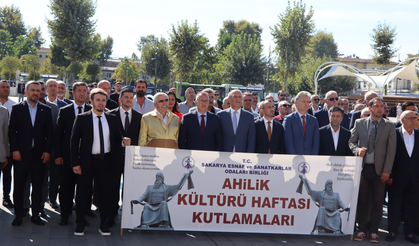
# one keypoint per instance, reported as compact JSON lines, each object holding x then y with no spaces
{"x":33,"y":65}
{"x":149,"y":46}
{"x":106,"y":46}
{"x":121,"y":71}
{"x":23,"y":46}
{"x":36,"y":35}
{"x":33,"y":75}
{"x":291,"y":36}
{"x":322,"y":44}
{"x":383,"y":38}
{"x":232,"y":28}
{"x":90,"y":72}
{"x":204,"y":71}
{"x":6,"y":44}
{"x":12,"y":21}
{"x":57,"y":55}
{"x":242,"y":61}
{"x":72,"y":28}
{"x":49,"y":68}
{"x":75,"y":68}
{"x":9,"y":65}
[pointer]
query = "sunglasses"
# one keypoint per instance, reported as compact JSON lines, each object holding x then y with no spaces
{"x":286,"y":105}
{"x":165,"y":100}
{"x":216,"y":94}
{"x":282,"y":95}
{"x":333,"y":98}
{"x":316,"y":99}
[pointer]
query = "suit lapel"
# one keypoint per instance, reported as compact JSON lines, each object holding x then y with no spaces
{"x":118,"y":116}
{"x":299,"y":123}
{"x":230,"y":121}
{"x":380,"y":129}
{"x":39,"y":115}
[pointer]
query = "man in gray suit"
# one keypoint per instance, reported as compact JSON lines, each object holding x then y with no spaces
{"x":238,"y":126}
{"x":374,"y":139}
{"x":4,"y":137}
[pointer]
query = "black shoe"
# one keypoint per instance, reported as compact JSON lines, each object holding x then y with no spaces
{"x":412,"y":239}
{"x":43,"y":214}
{"x":90,"y":213}
{"x":110,"y":222}
{"x":25,"y":212}
{"x":8,"y":204}
{"x":17,"y":221}
{"x":53,"y":204}
{"x":63,"y":222}
{"x":37,"y":221}
{"x":79,"y":230}
{"x":390,"y":237}
{"x":104,"y":229}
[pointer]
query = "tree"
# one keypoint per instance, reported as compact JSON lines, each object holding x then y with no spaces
{"x":11,"y":20}
{"x":23,"y":46}
{"x":9,"y":65}
{"x":72,"y":28}
{"x":291,"y":36}
{"x":57,"y":55}
{"x":32,"y":63}
{"x":106,"y":46}
{"x":232,"y":28}
{"x":90,"y":72}
{"x":322,"y":44}
{"x":49,"y":68}
{"x":185,"y":43}
{"x":383,"y":38}
{"x":204,"y":70}
{"x":36,"y":35}
{"x":121,"y":71}
{"x":6,"y":45}
{"x":242,"y":60}
{"x":149,"y":48}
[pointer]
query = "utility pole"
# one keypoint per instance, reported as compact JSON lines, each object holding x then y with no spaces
{"x":269,"y":64}
{"x":126,"y":80}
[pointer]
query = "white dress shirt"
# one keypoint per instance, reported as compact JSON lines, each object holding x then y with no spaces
{"x":266,"y":124}
{"x":53,"y":101}
{"x":335,"y":136}
{"x":165,"y":118}
{"x":76,"y":108}
{"x":123,"y":115}
{"x":409,"y":141}
{"x":96,"y":136}
{"x":8,"y":104}
{"x":301,"y":119}
{"x":199,"y":117}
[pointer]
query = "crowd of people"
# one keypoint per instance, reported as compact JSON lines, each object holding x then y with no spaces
{"x":74,"y":149}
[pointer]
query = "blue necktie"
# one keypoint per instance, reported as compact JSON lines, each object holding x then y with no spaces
{"x":235,"y":122}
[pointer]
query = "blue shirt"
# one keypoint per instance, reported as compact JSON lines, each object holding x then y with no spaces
{"x":32,"y":112}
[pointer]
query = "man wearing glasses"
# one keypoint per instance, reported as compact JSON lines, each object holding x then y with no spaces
{"x":284,"y":110}
{"x":356,"y":115}
{"x":160,"y":127}
{"x":281,"y":97}
{"x":331,"y":99}
{"x":365,"y":113}
{"x":315,"y":107}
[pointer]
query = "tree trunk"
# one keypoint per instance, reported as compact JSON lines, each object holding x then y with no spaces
{"x":180,"y":85}
{"x":10,"y":76}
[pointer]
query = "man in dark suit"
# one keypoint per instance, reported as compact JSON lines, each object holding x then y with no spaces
{"x":408,"y":105}
{"x":301,"y":129}
{"x":65,"y":122}
{"x":374,"y":139}
{"x":115,"y":96}
{"x":269,"y":132}
{"x":334,"y":138}
{"x":96,"y":146}
{"x":106,"y":86}
{"x":201,"y":129}
{"x":51,"y":88}
{"x":281,"y":97}
{"x":30,"y":136}
{"x":129,"y":123}
{"x":21,"y":90}
{"x":237,"y":125}
{"x":356,"y":115}
{"x":404,"y":188}
{"x":315,"y":107}
{"x":331,"y":99}
{"x":61,"y":92}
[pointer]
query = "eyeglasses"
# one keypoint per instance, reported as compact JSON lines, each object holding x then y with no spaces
{"x":333,"y":98}
{"x":366,"y":115}
{"x":411,"y":118}
{"x":286,"y":105}
{"x":340,"y":104}
{"x":282,"y":95}
{"x":165,"y":100}
{"x":216,"y":94}
{"x":316,"y":99}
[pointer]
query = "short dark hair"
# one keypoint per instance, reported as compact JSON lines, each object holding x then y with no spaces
{"x":140,"y":81}
{"x":91,"y":85}
{"x":407,"y":104}
{"x":375,"y":99}
{"x":254,"y":93}
{"x":335,"y":109}
{"x":75,"y":85}
{"x":129,"y":90}
{"x":118,"y":83}
{"x":98,"y":91}
{"x":32,"y":82}
{"x":247,"y":94}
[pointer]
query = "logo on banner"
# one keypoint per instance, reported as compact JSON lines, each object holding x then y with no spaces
{"x":188,"y":162}
{"x":304,"y":168}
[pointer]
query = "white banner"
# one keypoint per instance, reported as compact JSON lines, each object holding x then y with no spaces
{"x":167,"y":189}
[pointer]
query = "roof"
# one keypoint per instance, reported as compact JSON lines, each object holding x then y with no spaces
{"x":359,"y":60}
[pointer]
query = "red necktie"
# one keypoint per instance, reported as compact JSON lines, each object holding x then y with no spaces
{"x":202,"y":124}
{"x":304,"y":123}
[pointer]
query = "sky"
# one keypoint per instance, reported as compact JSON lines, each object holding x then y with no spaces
{"x":350,"y":22}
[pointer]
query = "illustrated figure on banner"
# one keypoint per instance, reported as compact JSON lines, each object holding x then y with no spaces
{"x":330,"y":205}
{"x":156,"y":211}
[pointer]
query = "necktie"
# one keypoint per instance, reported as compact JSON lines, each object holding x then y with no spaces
{"x":235,"y":122}
{"x":80,"y":108}
{"x":202,"y":124}
{"x":126,"y":122}
{"x":102,"y":142}
{"x":269,"y":135}
{"x":371,"y":139}
{"x":304,"y":123}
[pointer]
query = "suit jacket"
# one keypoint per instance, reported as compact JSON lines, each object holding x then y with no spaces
{"x":54,"y":116}
{"x":21,"y":131}
{"x":385,"y":143}
{"x":398,"y":124}
{"x":323,"y":118}
{"x":327,"y":146}
{"x":81,"y":141}
{"x":60,"y":104}
{"x":276,"y":145}
{"x":355,"y":115}
{"x":245,"y":138}
{"x":214,"y":110}
{"x":298,"y":143}
{"x":21,"y":88}
{"x":65,"y":122}
{"x":134,"y":126}
{"x":67,"y":101}
{"x":405,"y":167}
{"x":111,"y":104}
{"x":190,"y":134}
{"x":4,"y":135}
{"x":114,"y":96}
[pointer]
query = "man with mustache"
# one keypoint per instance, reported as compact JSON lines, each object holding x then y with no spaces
{"x":141,"y":103}
{"x":160,"y":127}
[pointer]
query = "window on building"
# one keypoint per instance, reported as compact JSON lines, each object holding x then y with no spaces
{"x":40,"y":56}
